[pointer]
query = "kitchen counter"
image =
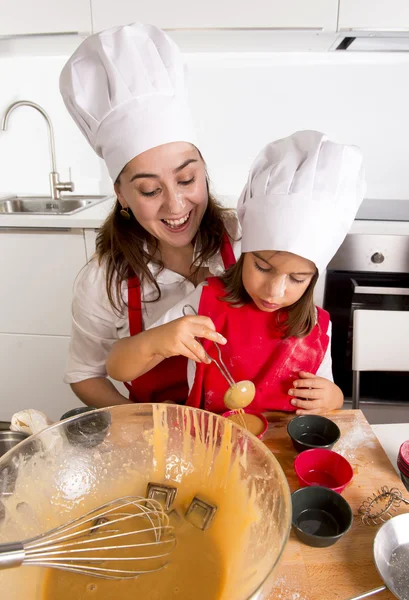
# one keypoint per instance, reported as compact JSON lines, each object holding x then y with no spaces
{"x":92,"y":218}
{"x":89,"y":218}
{"x":347,"y":568}
{"x":391,"y":436}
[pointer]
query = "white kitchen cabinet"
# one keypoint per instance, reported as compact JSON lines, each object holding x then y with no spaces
{"x":374,"y":14}
{"x":22,"y":17}
{"x":37,"y":271}
{"x":90,"y":237}
{"x":184,"y":14}
{"x":31,"y":375}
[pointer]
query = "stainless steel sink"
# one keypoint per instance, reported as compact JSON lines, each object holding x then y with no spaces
{"x":44,"y":205}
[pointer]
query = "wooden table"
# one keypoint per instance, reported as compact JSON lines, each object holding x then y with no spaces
{"x":347,"y":568}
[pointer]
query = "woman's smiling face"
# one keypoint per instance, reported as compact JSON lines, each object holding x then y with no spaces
{"x":166,"y":190}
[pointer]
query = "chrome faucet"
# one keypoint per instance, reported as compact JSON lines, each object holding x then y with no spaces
{"x":56,"y":186}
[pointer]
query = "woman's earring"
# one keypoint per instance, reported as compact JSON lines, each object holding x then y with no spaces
{"x":124,"y":212}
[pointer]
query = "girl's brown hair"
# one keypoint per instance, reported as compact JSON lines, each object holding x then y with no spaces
{"x":127,"y":248}
{"x":301,"y":315}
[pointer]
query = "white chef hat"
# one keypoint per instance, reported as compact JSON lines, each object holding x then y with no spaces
{"x":125,"y":88}
{"x":302,"y":195}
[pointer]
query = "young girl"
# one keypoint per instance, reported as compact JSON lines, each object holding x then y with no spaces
{"x":300,"y":200}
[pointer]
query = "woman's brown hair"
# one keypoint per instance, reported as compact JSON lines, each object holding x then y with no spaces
{"x":127,"y":248}
{"x":301,"y":315}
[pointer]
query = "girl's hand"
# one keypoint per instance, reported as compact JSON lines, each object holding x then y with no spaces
{"x":178,"y":338}
{"x":315,"y":395}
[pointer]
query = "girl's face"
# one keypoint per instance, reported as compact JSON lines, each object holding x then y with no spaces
{"x":165,"y":188}
{"x":274,"y":280}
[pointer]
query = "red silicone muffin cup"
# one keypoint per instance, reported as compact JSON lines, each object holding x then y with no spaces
{"x":403,"y":468}
{"x":325,"y":468}
{"x":402,"y":461}
{"x":403,"y":455}
{"x":251,"y":412}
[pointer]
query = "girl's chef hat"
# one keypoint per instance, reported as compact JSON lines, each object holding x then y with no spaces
{"x":125,"y":89}
{"x":302,"y":195}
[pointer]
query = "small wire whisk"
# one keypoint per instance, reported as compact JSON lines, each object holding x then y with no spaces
{"x":122,"y":539}
{"x":381,"y":506}
{"x":220,"y":365}
{"x":223,"y":370}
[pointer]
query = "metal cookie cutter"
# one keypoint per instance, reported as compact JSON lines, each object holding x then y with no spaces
{"x":165,"y":494}
{"x":201,"y":513}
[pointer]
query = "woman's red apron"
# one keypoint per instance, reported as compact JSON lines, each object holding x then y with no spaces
{"x":255,"y":350}
{"x":168,"y":380}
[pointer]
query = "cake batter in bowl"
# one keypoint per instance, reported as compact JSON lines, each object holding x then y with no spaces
{"x":227,"y":497}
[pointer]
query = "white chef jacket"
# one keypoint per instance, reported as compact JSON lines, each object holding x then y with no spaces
{"x":193,"y":299}
{"x":96,"y":325}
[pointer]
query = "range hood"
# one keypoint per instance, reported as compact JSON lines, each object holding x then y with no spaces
{"x":363,"y":40}
{"x":289,"y":39}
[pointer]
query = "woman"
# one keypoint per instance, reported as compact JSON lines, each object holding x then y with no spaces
{"x":125,"y":89}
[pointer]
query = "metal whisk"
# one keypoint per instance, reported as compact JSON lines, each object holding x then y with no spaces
{"x":380,"y":507}
{"x":122,"y":539}
{"x":220,"y":365}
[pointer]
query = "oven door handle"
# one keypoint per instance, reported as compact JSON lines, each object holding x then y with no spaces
{"x":380,"y":291}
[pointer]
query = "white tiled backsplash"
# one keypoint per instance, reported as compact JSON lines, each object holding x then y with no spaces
{"x":240,"y":102}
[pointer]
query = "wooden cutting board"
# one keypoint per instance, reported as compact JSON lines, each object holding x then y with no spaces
{"x":347,"y":568}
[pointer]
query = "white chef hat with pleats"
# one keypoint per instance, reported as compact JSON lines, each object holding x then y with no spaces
{"x":302,"y":196}
{"x":125,"y":88}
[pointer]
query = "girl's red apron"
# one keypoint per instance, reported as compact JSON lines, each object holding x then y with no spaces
{"x":168,"y":380}
{"x":255,"y":350}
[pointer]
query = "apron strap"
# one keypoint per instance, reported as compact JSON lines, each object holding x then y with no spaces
{"x":134,"y":305}
{"x":134,"y":288}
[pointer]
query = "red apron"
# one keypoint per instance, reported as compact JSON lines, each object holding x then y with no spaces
{"x":168,"y":380}
{"x":255,"y":350}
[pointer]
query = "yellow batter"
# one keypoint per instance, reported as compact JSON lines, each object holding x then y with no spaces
{"x":203,"y":560}
{"x":198,"y":453}
{"x":196,"y":572}
{"x":240,"y":395}
{"x":250,"y":422}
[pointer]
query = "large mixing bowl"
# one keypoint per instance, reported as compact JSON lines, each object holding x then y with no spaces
{"x":96,"y":457}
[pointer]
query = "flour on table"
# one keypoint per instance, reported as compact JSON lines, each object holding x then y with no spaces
{"x":287,"y":590}
{"x":352,"y":440}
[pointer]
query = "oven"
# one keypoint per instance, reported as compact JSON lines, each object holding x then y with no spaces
{"x":368,"y":272}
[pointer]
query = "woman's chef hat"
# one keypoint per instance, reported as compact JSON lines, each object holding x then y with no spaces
{"x":125,"y":88}
{"x":302,"y":195}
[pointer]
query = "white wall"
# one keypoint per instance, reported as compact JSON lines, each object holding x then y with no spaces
{"x":240,"y":102}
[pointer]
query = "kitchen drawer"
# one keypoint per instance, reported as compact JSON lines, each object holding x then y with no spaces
{"x":37,"y":270}
{"x":31,"y":374}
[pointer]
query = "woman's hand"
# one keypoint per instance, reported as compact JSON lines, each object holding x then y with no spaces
{"x":133,"y":356}
{"x":179,"y":338}
{"x":315,"y":395}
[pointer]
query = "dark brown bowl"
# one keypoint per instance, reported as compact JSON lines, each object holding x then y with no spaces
{"x":88,"y":428}
{"x":313,"y":431}
{"x":320,"y":516}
